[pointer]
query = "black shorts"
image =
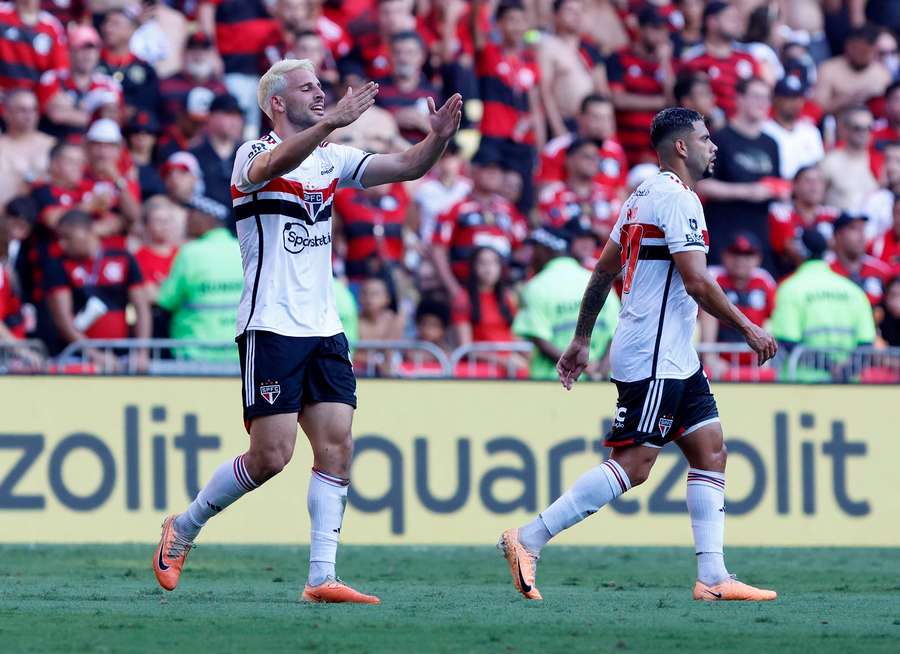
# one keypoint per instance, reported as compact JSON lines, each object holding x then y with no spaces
{"x":654,"y":412}
{"x":282,"y":374}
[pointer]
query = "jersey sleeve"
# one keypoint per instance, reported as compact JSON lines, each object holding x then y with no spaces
{"x":243,"y":158}
{"x":532,"y":321}
{"x":173,"y":289}
{"x":865,"y":323}
{"x":681,"y":218}
{"x":615,"y":235}
{"x":135,"y":276}
{"x":787,"y":319}
{"x":55,"y":277}
{"x":350,"y":164}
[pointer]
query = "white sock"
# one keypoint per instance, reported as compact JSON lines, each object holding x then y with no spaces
{"x":229,"y":482}
{"x":706,"y":504}
{"x":326,"y":500}
{"x":591,"y":491}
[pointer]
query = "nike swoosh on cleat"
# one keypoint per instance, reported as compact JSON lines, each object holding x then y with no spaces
{"x":162,"y":566}
{"x":716,"y":595}
{"x":525,"y":587}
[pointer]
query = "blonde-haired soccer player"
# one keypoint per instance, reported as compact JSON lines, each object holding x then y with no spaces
{"x":294,"y":356}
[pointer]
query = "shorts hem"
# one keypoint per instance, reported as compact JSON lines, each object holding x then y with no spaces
{"x":698,"y":425}
{"x":331,"y":398}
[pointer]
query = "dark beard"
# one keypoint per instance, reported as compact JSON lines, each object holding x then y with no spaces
{"x":708,"y":171}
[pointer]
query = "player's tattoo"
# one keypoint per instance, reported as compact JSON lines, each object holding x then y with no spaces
{"x":592,"y":303}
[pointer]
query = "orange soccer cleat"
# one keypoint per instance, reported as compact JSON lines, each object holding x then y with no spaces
{"x":732,"y":590}
{"x":335,"y":591}
{"x":170,"y":556}
{"x":522,"y":564}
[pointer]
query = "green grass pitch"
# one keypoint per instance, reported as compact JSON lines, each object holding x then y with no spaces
{"x":444,"y":599}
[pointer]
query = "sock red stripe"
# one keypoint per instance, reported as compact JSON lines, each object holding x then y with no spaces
{"x":611,"y":466}
{"x":330,"y":479}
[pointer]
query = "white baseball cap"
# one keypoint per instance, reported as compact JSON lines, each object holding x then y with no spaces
{"x":184,"y":161}
{"x":105,"y":130}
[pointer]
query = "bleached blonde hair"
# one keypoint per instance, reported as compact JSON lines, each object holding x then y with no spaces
{"x":275,"y":82}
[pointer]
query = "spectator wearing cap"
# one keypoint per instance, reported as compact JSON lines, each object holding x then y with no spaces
{"x":184,"y":185}
{"x":113,"y":199}
{"x":854,"y":77}
{"x":848,"y":169}
{"x":550,"y":302}
{"x":482,"y":218}
{"x":71,"y":99}
{"x":819,"y":309}
{"x":596,"y":121}
{"x":241,"y":29}
{"x":850,"y":260}
{"x":142,"y":133}
{"x":745,"y":176}
{"x":406,"y":90}
{"x":372,"y":222}
{"x":216,"y":151}
{"x":641,"y":78}
{"x":887,"y":246}
{"x":140,"y":83}
{"x":201,"y":68}
{"x":878,"y":207}
{"x":571,"y":65}
{"x":580,"y":199}
{"x":788,"y":220}
{"x":749,"y":287}
{"x":693,"y":91}
{"x":31,"y":43}
{"x":90,"y":286}
{"x":799,"y":140}
{"x":203,"y":288}
{"x":24,"y":151}
{"x":719,"y":57}
{"x":187,"y":130}
{"x":512,"y":124}
{"x":445,"y":185}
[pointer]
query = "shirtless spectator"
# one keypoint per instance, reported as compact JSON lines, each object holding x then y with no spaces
{"x":71,"y":99}
{"x":571,"y":66}
{"x":24,"y":151}
{"x":788,"y":220}
{"x":848,"y":169}
{"x":719,"y":56}
{"x":379,"y":320}
{"x":641,"y":78}
{"x":806,"y":19}
{"x":854,"y":77}
{"x":799,"y":140}
{"x":596,"y":121}
{"x":603,"y":24}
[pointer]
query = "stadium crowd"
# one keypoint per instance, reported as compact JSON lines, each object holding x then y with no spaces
{"x":121,"y":119}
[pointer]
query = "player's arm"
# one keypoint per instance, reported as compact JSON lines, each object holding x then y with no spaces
{"x":417,"y":160}
{"x":575,"y":359}
{"x":292,"y":151}
{"x":708,"y":294}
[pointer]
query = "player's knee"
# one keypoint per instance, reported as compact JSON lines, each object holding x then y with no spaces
{"x":343,"y":446}
{"x":718,"y":459}
{"x":269,"y":462}
{"x":639,"y":474}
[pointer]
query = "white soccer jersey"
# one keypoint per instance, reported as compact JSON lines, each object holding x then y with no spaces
{"x":657,"y":319}
{"x":284,"y":229}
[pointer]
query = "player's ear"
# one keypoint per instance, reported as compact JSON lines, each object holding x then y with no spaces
{"x":680,"y":146}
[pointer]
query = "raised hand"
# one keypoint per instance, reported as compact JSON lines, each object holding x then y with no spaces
{"x":352,"y":106}
{"x":573,"y":362}
{"x":445,"y":121}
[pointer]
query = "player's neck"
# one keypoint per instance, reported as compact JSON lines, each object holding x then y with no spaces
{"x":681,"y":172}
{"x":284,"y":129}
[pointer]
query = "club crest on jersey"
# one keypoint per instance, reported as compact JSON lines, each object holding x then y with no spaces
{"x":665,"y":424}
{"x":270,"y":391}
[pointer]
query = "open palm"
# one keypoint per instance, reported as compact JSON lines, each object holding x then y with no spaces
{"x":445,"y":121}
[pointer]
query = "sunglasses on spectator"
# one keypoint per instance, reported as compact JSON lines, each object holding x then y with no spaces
{"x":860,"y":127}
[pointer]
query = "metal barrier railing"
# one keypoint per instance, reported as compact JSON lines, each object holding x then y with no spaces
{"x":419,"y":359}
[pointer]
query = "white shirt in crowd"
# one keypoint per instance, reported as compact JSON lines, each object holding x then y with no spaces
{"x":798,"y":147}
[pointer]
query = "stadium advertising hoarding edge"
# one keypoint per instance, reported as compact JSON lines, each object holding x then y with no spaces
{"x":438,"y":462}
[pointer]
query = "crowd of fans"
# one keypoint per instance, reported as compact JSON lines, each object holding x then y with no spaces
{"x":121,"y":120}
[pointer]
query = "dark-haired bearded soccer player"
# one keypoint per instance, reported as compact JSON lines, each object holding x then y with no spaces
{"x":659,"y":244}
{"x":294,"y":355}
